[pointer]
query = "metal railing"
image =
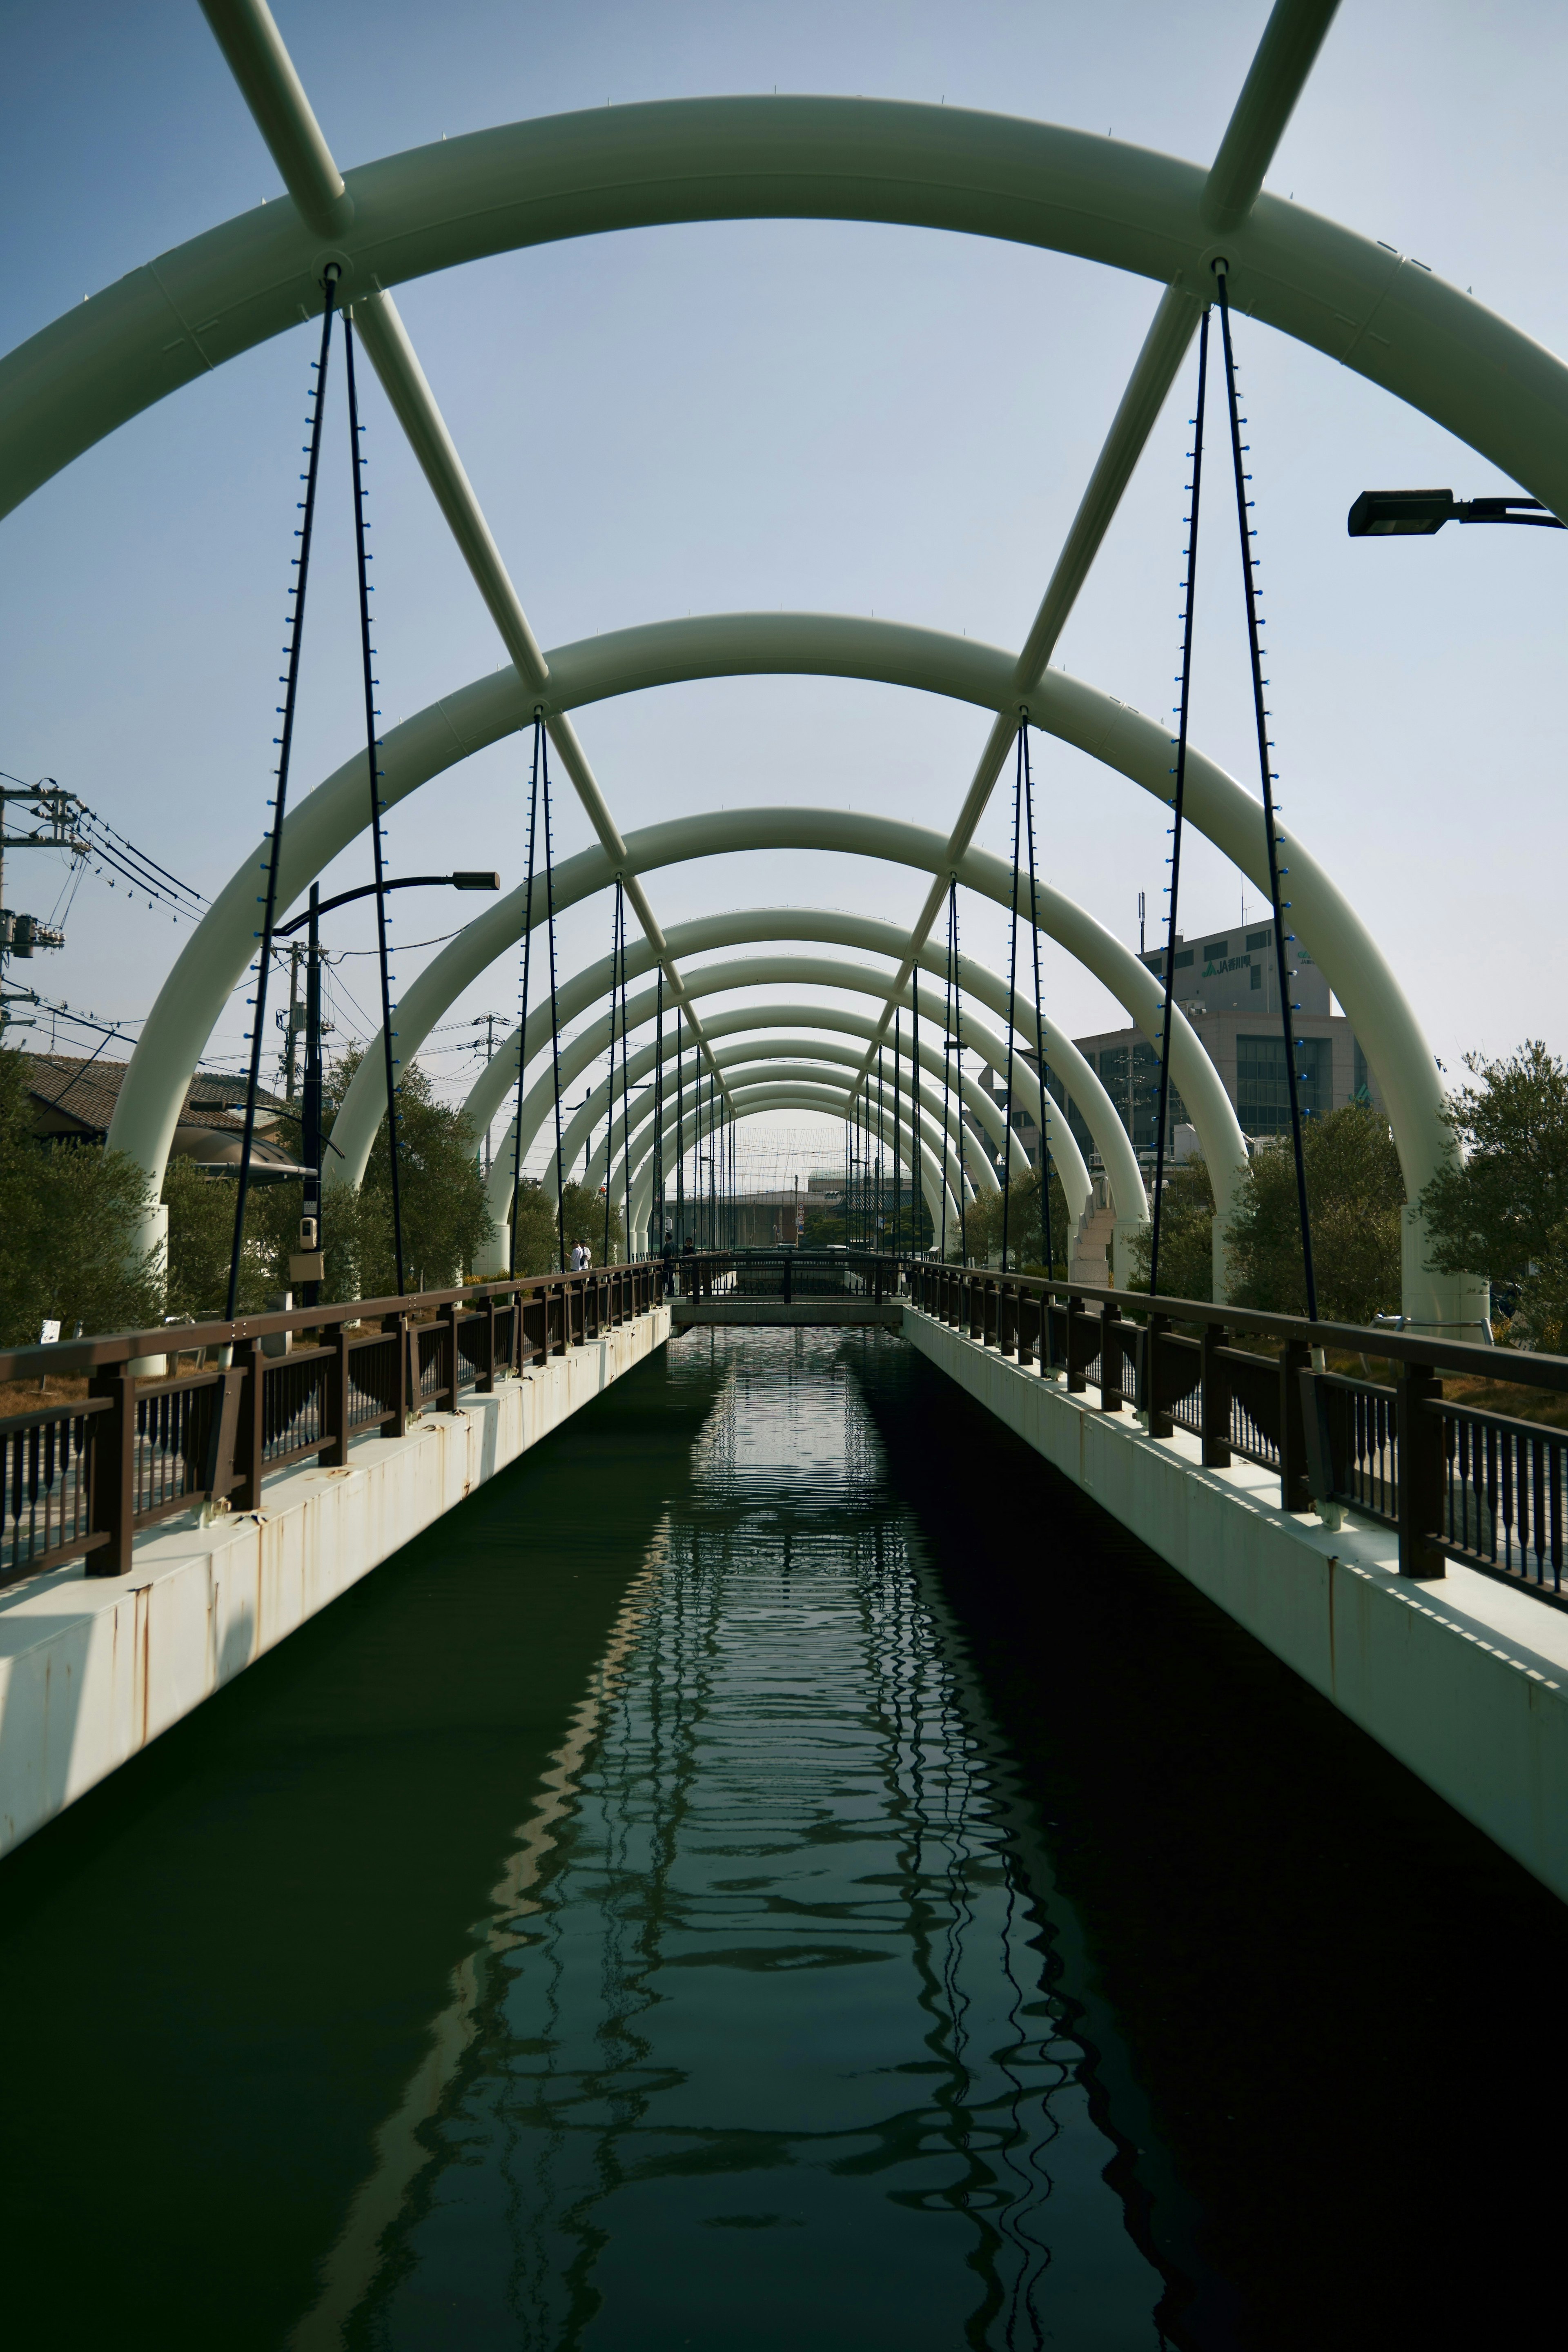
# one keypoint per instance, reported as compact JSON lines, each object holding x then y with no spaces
{"x":785,"y":1277}
{"x":79,"y":1478}
{"x":1456,"y":1482}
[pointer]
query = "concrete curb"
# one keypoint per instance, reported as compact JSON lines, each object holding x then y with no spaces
{"x":93,"y":1668}
{"x":1465,"y":1680}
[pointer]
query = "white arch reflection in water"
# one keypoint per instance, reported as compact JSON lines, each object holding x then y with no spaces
{"x":756,"y":2046}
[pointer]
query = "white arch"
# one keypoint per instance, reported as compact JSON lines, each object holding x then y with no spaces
{"x":770,"y":1091}
{"x":847,"y":833}
{"x":782,"y":158}
{"x":972,"y":1171}
{"x":586,"y":1048}
{"x":496,"y":1081}
{"x":821,"y":1066}
{"x":214,"y":959}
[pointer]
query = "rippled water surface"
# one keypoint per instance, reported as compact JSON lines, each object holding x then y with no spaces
{"x":756,"y":2046}
{"x":774,"y":1869}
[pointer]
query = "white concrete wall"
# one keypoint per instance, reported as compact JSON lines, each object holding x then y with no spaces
{"x":1464,"y":1680}
{"x":91,"y":1668}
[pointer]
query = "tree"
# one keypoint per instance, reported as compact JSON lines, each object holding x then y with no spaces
{"x":201,"y":1237}
{"x":1356,"y":1200}
{"x":445,"y":1217}
{"x":69,"y":1212}
{"x":1502,"y":1210}
{"x":1186,"y":1236}
{"x":537,"y":1235}
{"x":1026,"y":1240}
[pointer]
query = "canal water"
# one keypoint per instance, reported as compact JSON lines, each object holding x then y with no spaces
{"x":773,"y":1869}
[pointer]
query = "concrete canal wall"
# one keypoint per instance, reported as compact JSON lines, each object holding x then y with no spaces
{"x":91,"y":1668}
{"x":1464,"y":1680}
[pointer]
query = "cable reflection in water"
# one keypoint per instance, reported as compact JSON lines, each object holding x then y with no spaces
{"x":758,"y":2045}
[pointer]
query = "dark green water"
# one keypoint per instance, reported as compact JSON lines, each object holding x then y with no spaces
{"x":773,"y":1869}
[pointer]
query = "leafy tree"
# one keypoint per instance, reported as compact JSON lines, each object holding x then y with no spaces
{"x":1355,"y":1199}
{"x":538,"y":1237}
{"x":1503,"y":1211}
{"x":445,"y":1218}
{"x":200,"y":1236}
{"x":1186,"y":1236}
{"x":1026,"y":1242}
{"x":69,"y":1212}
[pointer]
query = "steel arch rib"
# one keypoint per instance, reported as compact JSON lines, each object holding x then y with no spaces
{"x":768,"y":1069}
{"x":828,"y":1058}
{"x":756,"y":971}
{"x":932,"y":1188}
{"x":1113,"y":733}
{"x":774,"y":1089}
{"x":686,"y":159}
{"x":775,"y":1095}
{"x":842,"y":833}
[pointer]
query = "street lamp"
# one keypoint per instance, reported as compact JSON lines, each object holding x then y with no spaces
{"x":306,"y":1268}
{"x":1417,"y":514}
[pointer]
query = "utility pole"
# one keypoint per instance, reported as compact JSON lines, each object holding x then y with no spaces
{"x":490,"y":1020}
{"x":56,"y":812}
{"x":291,"y":1022}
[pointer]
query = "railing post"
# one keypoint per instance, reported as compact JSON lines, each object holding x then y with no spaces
{"x":1295,"y":1485}
{"x":113,"y":1507}
{"x":400,"y":1396}
{"x":250,"y":1449}
{"x":448,"y":1358}
{"x":1110,"y":1360}
{"x":1422,"y":1472}
{"x":1159,"y":1421}
{"x":878,"y":1299}
{"x":336,"y":1456}
{"x":1026,"y":1305}
{"x":1215,"y":1417}
{"x":789,"y":1279}
{"x":484,"y":1385}
{"x":1077,"y":1354}
{"x":1007,"y":1319}
{"x":975,"y":1305}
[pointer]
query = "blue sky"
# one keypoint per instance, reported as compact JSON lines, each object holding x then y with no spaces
{"x":848,"y":417}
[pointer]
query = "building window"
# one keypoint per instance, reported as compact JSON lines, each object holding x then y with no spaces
{"x":1256,"y":979}
{"x":1184,"y":958}
{"x":1262,"y":1091}
{"x":1258,"y":938}
{"x":1215,"y":953}
{"x":1360,"y":1090}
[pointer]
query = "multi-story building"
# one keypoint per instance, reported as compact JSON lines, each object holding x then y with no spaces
{"x":1226,"y":984}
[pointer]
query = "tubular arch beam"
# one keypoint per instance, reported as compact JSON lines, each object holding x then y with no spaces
{"x":679,"y":160}
{"x":216,"y":957}
{"x":753,"y":971}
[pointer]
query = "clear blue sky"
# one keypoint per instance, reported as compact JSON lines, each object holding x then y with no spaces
{"x":847,"y":417}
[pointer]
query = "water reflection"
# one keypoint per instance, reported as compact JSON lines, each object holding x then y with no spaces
{"x":756,"y":2044}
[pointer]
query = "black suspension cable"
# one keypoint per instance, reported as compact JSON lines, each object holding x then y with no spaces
{"x":522,"y":1010}
{"x":915,"y":1103}
{"x":1040,"y":1062}
{"x":679,"y":1126}
{"x":658,"y":1107}
{"x":373,"y":759}
{"x":898,"y":1147}
{"x":1178,"y":802}
{"x":625,"y":1110}
{"x":1012,"y":993}
{"x":1275,"y":839}
{"x":610,"y":1100}
{"x":541,"y":738}
{"x":958,"y":1070}
{"x":285,"y":747}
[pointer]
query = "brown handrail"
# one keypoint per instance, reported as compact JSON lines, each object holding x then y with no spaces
{"x":82,"y":1476}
